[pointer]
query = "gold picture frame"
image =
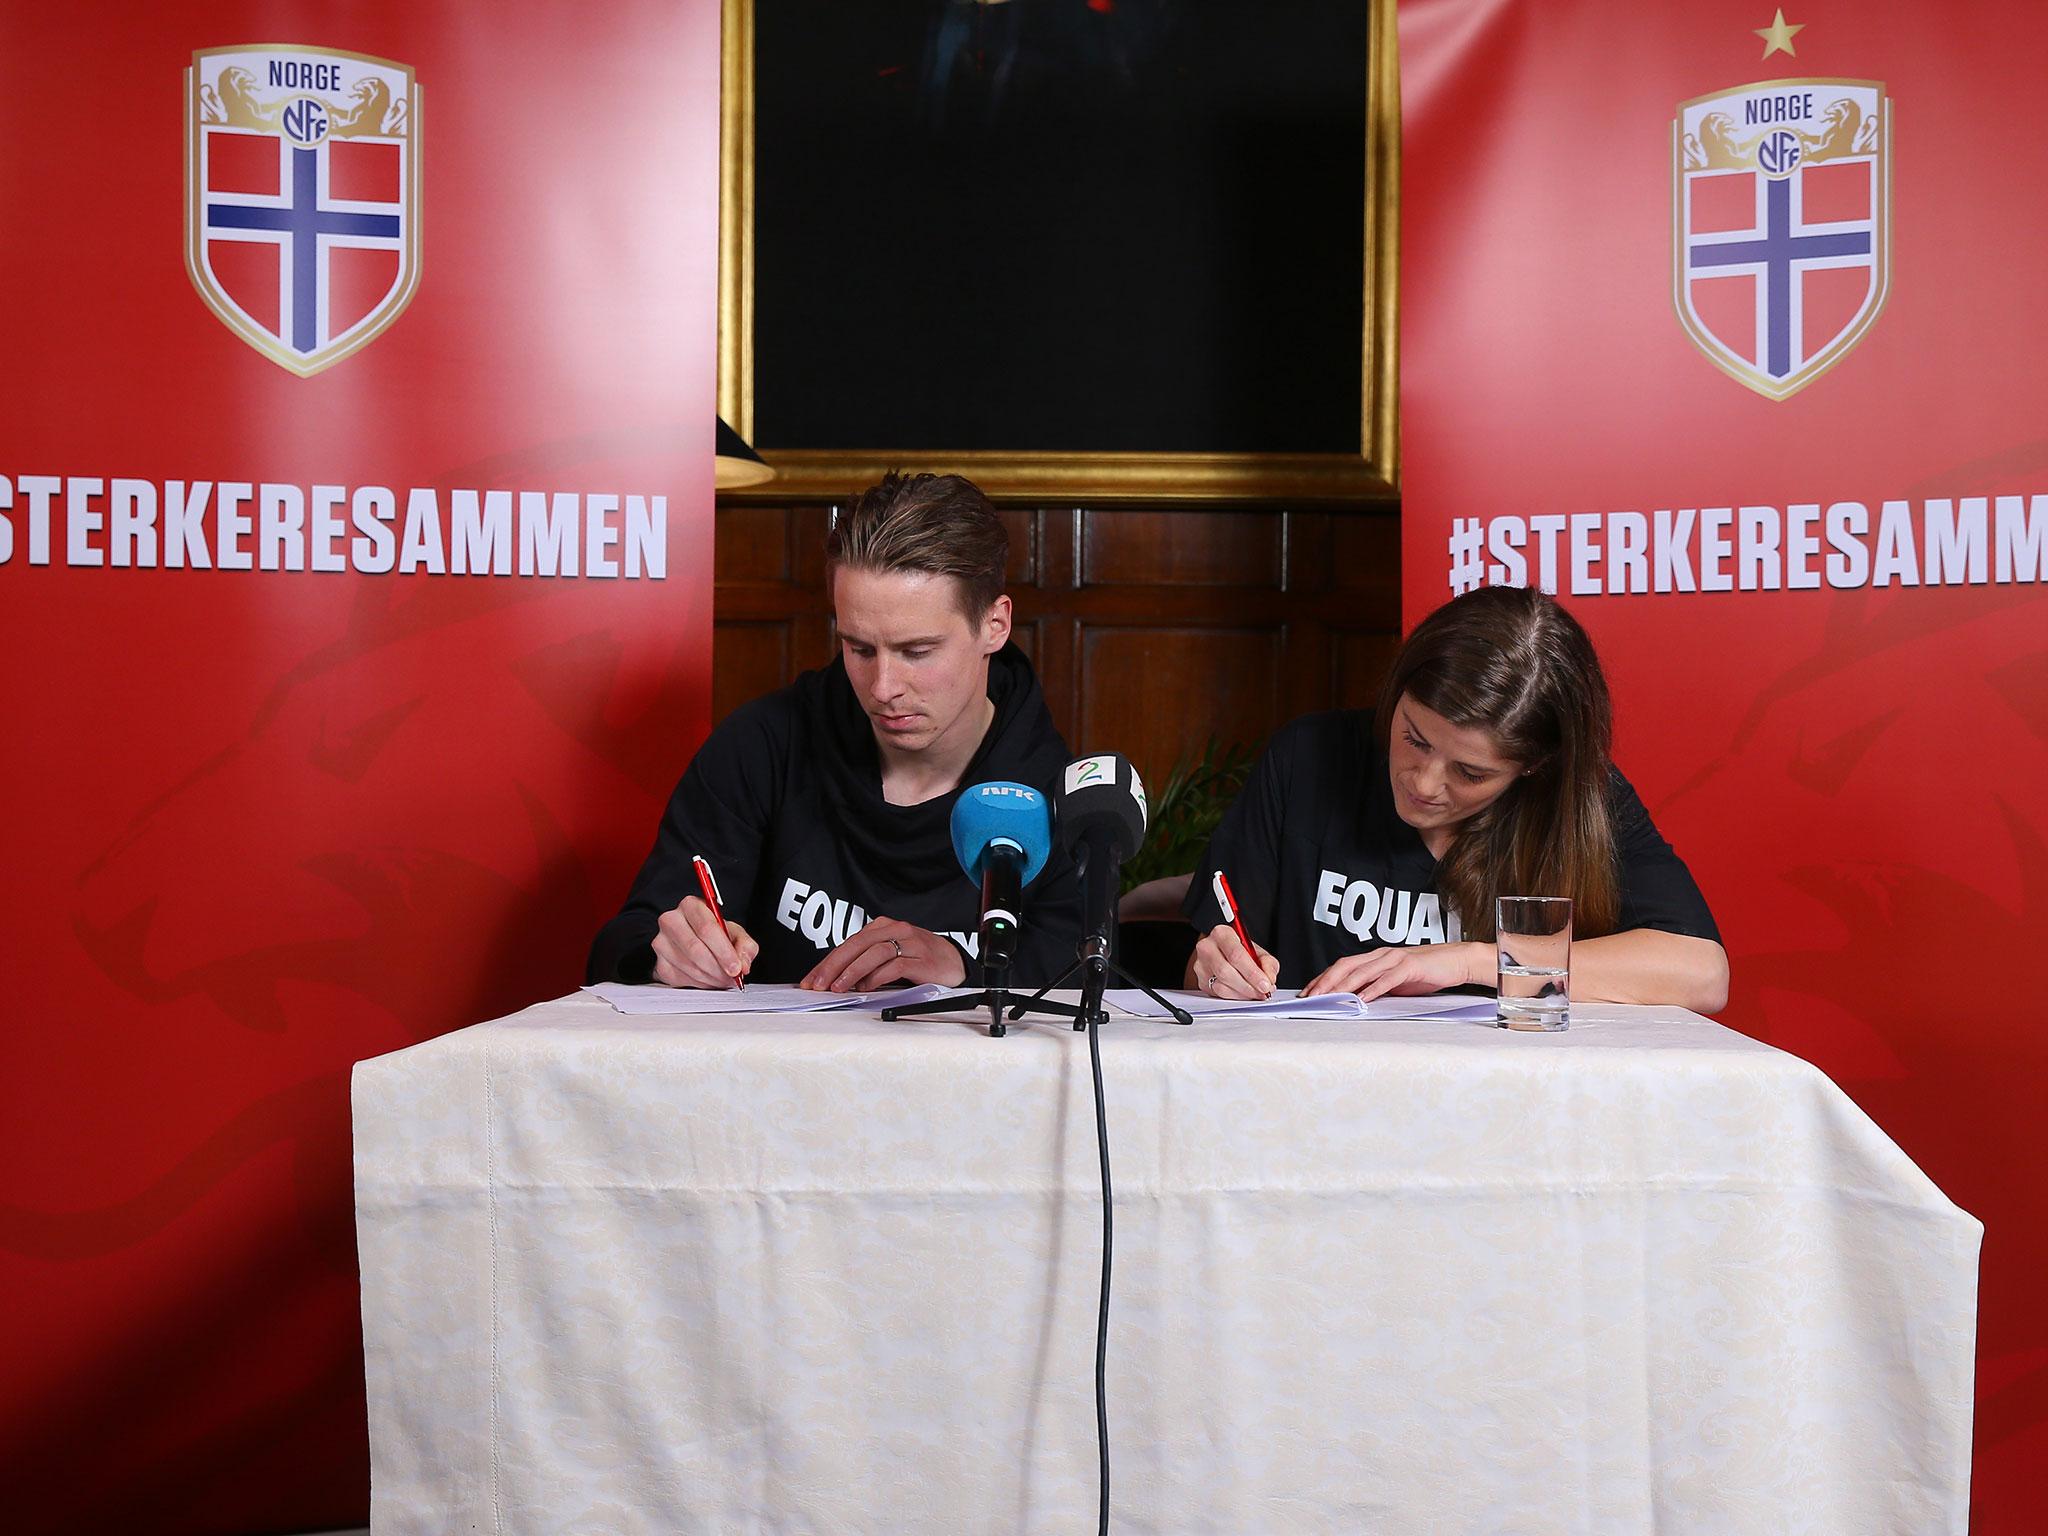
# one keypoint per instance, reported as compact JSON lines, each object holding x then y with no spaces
{"x":1369,"y":475}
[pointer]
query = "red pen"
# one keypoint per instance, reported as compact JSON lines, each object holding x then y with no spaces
{"x":1228,"y":903}
{"x":708,"y":883}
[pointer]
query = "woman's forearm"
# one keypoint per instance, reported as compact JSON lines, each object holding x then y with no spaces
{"x":1645,"y":965}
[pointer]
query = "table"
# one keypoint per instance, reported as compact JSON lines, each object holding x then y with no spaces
{"x":826,"y":1274}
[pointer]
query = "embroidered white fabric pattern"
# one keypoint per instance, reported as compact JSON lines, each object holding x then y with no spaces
{"x":826,"y":1273}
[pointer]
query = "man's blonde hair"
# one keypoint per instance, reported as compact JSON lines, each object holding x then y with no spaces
{"x":938,"y":525}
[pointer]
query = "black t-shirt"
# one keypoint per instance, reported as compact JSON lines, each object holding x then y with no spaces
{"x":784,"y":801}
{"x":1323,"y":866}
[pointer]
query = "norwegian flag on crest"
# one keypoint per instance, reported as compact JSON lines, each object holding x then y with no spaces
{"x":1781,"y":226}
{"x":302,"y":214}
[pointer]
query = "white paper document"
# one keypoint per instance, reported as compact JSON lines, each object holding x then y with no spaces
{"x":1288,"y":1004}
{"x":755,"y":997}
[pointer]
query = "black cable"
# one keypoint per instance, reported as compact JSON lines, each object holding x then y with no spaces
{"x":1102,"y":1316}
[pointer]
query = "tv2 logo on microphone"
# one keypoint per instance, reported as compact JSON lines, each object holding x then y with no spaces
{"x":1101,"y":769}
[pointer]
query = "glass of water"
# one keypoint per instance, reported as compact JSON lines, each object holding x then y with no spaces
{"x":1533,"y":935}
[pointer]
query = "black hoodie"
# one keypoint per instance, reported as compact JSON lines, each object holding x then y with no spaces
{"x":784,"y":801}
{"x":1323,"y":866}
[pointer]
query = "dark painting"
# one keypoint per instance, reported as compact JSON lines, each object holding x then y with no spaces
{"x":1060,"y":225}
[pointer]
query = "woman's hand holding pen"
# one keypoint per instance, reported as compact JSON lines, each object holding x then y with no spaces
{"x":693,"y":949}
{"x":1222,"y":967}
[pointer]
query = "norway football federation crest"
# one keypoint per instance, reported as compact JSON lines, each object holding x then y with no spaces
{"x":1781,"y":210}
{"x":302,"y":196}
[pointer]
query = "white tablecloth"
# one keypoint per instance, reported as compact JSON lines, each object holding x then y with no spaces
{"x":827,"y":1274}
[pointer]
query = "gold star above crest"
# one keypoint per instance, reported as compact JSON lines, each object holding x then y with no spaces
{"x":1778,"y":36}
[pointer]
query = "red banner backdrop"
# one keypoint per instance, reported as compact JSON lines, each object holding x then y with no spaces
{"x":355,"y":523}
{"x":1731,"y":333}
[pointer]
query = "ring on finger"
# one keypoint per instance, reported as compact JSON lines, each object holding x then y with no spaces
{"x":899,"y":947}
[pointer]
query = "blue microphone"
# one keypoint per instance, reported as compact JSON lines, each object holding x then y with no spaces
{"x":1002,"y":835}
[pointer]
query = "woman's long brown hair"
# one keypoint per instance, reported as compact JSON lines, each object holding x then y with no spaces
{"x":1511,"y":662}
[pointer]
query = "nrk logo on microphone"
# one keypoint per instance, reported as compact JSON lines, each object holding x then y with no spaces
{"x":1023,"y":792}
{"x":1781,"y":212}
{"x":302,"y":196}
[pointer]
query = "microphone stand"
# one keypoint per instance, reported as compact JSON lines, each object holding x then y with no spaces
{"x":994,"y":997}
{"x":1094,"y":959}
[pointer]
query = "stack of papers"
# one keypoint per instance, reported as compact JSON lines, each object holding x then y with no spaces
{"x":755,"y":997}
{"x":1289,"y":1004}
{"x":759,"y":997}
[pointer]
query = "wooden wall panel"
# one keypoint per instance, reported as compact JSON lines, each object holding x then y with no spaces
{"x":1359,"y":663}
{"x":748,"y":661}
{"x":1365,"y":557}
{"x":1183,"y":549}
{"x":1153,"y":693}
{"x":1022,"y":528}
{"x":753,"y":546}
{"x":1151,"y":629}
{"x":1026,"y":639}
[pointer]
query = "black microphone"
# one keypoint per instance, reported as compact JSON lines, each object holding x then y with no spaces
{"x":1101,"y":822}
{"x":1002,"y":833}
